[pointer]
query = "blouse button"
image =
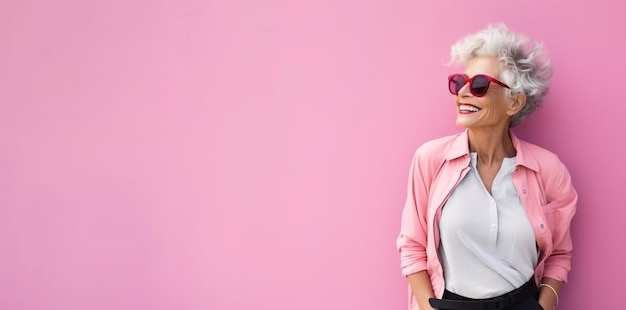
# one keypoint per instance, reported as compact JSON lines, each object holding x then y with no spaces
{"x":541,"y":226}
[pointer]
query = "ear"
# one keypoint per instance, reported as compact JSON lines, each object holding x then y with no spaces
{"x":516,"y":104}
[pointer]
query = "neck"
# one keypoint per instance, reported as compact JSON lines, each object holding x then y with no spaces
{"x":491,"y":146}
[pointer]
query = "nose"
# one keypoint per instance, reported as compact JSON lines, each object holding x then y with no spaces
{"x":465,"y":90}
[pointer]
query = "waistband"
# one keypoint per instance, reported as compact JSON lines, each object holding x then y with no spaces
{"x":458,"y":302}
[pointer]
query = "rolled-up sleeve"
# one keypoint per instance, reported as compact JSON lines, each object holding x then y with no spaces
{"x":563,"y":199}
{"x":413,"y":229}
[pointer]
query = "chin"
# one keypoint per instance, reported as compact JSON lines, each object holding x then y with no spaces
{"x":463,"y":124}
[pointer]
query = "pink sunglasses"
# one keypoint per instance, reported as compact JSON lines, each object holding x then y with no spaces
{"x":479,"y":84}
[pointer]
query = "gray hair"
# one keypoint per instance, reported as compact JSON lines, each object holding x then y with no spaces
{"x":525,"y":65}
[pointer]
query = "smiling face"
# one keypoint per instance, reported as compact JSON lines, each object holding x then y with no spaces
{"x":493,"y":109}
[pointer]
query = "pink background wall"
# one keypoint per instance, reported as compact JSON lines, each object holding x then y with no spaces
{"x":181,"y":154}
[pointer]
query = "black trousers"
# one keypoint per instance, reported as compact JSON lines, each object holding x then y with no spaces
{"x":529,"y":303}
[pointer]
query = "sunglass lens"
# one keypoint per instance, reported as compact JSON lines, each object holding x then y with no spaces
{"x":456,"y":83}
{"x":479,"y":85}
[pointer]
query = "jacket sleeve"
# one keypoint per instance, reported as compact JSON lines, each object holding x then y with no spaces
{"x":414,"y":227}
{"x":562,"y":202}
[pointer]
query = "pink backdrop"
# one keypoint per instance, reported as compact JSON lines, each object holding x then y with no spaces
{"x":185,"y":154}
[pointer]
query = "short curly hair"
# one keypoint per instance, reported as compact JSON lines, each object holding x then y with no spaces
{"x":526,"y":67}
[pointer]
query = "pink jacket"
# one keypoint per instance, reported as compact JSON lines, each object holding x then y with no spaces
{"x":542,"y":181}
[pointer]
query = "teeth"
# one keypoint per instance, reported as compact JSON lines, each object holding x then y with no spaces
{"x":469,"y":108}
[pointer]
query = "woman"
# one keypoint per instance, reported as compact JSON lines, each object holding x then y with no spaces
{"x":487,"y":217}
